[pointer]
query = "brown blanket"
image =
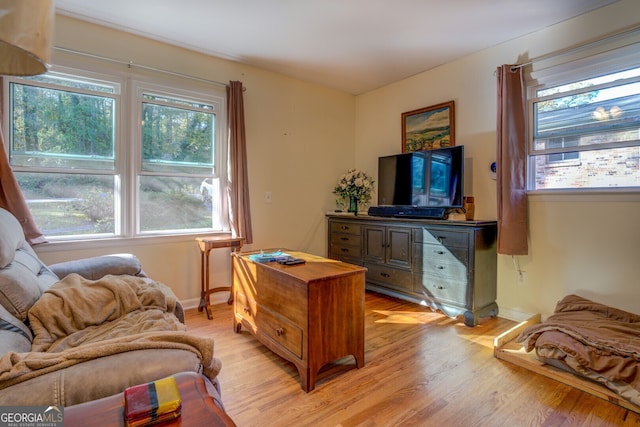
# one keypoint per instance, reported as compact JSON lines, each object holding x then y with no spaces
{"x":79,"y":319}
{"x":593,"y":340}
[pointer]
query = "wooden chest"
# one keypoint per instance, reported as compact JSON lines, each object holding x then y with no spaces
{"x":309,"y":314}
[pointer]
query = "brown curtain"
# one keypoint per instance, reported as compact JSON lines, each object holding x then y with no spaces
{"x":238,"y":188}
{"x":511,"y":159}
{"x":11,"y":197}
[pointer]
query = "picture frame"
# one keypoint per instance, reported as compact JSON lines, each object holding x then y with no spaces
{"x":428,"y":128}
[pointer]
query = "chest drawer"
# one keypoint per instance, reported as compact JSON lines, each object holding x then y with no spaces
{"x":388,"y":276}
{"x":281,"y":331}
{"x":270,"y":325}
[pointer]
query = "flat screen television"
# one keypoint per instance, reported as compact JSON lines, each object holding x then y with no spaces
{"x":420,"y":183}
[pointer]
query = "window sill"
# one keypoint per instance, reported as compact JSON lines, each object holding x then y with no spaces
{"x":590,"y":196}
{"x":119,"y":242}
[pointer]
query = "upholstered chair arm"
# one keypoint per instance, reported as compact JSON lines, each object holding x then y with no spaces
{"x":98,"y":267}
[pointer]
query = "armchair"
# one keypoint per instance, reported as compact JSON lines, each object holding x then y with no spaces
{"x":142,"y":339}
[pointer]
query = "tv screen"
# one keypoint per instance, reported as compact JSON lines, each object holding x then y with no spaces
{"x":432,"y":178}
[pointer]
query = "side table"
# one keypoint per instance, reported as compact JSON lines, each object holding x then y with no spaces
{"x":198,"y":408}
{"x":206,"y":244}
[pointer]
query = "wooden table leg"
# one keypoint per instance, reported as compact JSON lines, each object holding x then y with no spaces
{"x":206,"y":245}
{"x":205,"y":302}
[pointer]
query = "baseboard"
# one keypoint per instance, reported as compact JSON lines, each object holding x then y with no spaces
{"x":216,"y":298}
{"x":515,"y":315}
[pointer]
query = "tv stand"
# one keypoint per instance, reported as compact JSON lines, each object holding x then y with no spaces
{"x":409,"y":212}
{"x":450,"y":266}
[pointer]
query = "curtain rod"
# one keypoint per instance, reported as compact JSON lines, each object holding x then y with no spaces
{"x":131,"y":64}
{"x":578,"y":47}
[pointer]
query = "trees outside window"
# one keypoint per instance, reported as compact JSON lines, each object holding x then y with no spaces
{"x":94,"y":159}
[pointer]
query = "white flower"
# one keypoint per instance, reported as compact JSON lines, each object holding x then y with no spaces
{"x":356,"y":184}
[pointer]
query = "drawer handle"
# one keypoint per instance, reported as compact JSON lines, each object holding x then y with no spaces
{"x":344,"y":239}
{"x":440,"y":238}
{"x":344,"y":250}
{"x":440,"y":287}
{"x":441,"y":267}
{"x":247,"y":310}
{"x":385,"y":274}
{"x":344,"y":227}
{"x":438,"y":252}
{"x":280,"y":332}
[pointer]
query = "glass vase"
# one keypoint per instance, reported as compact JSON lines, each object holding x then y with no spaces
{"x":353,"y":205}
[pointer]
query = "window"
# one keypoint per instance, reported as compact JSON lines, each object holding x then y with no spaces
{"x":584,"y":124}
{"x":95,"y":160}
{"x":586,"y":134}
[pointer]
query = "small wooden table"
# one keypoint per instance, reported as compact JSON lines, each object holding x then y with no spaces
{"x":206,"y":244}
{"x":198,"y":408}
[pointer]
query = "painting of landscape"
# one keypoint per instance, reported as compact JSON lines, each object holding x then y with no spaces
{"x":428,"y":128}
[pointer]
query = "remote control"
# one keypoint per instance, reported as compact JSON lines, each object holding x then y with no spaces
{"x":292,"y":261}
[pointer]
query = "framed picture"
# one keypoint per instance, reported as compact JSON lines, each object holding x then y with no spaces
{"x":429,"y":128}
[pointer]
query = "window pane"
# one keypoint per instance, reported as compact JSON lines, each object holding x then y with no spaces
{"x":607,"y":78}
{"x":177,"y":140}
{"x":608,"y":111}
{"x":178,"y":203}
{"x":60,"y":129}
{"x":71,"y":82}
{"x":67,"y":205}
{"x":611,"y":168}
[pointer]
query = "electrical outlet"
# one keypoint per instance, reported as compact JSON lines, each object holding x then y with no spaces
{"x":267,"y":196}
{"x":522,"y":277}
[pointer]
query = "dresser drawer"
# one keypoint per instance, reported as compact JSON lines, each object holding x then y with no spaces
{"x":343,"y":239}
{"x":447,"y":238}
{"x":390,"y":277}
{"x":441,"y":261}
{"x":344,"y":252}
{"x":345,"y":227}
{"x":441,"y":289}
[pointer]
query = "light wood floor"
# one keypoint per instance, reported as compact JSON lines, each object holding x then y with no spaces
{"x":422,"y":369}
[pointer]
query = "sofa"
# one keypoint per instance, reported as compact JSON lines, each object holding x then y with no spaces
{"x":83,"y":330}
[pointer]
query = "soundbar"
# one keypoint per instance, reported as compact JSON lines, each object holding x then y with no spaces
{"x":408,"y":212}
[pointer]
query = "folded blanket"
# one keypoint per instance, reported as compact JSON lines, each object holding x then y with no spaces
{"x":75,"y":307}
{"x":79,"y":319}
{"x":599,"y":342}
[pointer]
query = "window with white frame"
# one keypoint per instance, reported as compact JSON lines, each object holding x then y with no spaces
{"x":98,"y":155}
{"x":584,"y":123}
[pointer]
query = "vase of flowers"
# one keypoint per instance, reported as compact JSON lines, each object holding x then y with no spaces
{"x":354,"y":187}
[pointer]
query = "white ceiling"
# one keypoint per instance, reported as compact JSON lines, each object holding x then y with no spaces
{"x":351,"y":45}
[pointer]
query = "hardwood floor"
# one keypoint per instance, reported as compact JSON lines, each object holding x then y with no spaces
{"x":422,"y":369}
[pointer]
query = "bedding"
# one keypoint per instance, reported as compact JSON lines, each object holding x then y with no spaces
{"x":592,"y":340}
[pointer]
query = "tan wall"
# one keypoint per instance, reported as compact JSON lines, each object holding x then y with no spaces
{"x":585,"y":245}
{"x":302,"y":136}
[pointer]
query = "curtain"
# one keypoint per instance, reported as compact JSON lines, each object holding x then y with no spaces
{"x":511,"y":159}
{"x":238,"y":186}
{"x":11,"y":197}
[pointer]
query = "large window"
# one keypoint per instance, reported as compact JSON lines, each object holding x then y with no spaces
{"x":584,"y":120}
{"x":99,"y":155}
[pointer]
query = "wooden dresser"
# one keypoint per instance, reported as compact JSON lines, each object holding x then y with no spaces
{"x":449,"y":266}
{"x":310,"y":314}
